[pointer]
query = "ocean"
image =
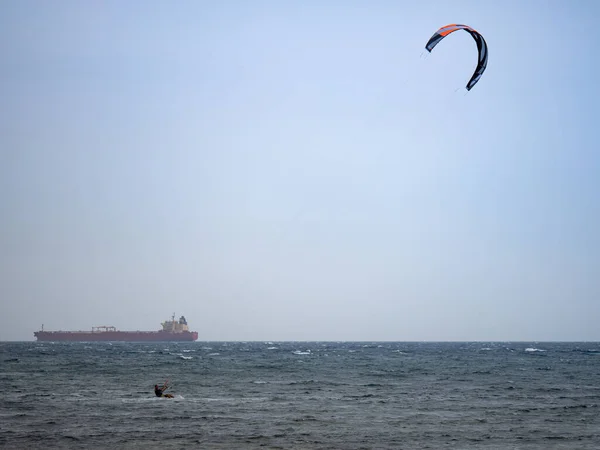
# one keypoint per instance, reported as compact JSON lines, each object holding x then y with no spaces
{"x":301,"y":395}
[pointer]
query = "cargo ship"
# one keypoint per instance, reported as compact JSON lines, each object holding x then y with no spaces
{"x":172,"y":331}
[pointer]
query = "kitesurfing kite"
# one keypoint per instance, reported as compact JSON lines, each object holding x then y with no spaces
{"x":481,"y":46}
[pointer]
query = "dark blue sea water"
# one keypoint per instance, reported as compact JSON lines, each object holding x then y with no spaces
{"x":301,"y":395}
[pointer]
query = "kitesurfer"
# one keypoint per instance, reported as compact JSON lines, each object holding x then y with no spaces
{"x":159,"y":390}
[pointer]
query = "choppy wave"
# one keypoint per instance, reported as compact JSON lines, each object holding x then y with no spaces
{"x":301,"y":395}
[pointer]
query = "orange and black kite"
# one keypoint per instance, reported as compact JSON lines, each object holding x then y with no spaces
{"x":481,"y":46}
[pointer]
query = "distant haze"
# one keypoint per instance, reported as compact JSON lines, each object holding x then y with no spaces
{"x":300,"y":170}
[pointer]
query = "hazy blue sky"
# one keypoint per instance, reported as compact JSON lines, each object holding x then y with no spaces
{"x":286,"y":170}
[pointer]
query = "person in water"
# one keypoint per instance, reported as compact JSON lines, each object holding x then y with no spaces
{"x":159,"y":390}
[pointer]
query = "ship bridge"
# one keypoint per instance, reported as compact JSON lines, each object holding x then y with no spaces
{"x":174,"y":326}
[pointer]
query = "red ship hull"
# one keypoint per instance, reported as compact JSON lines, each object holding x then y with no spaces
{"x":116,"y":336}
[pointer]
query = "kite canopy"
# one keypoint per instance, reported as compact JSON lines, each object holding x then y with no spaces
{"x":481,"y":46}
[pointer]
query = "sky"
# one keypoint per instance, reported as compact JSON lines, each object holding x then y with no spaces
{"x":300,"y":171}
